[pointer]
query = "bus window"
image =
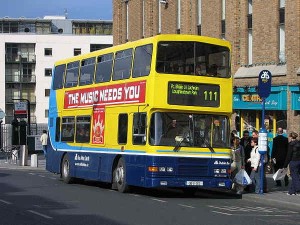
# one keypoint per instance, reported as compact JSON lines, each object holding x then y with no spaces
{"x":122,"y":128}
{"x":139,"y":129}
{"x":142,"y":61}
{"x":83,"y":124}
{"x":182,"y":58}
{"x":68,"y":126}
{"x":122,"y":65}
{"x":104,"y":68}
{"x":57,"y":130}
{"x":87,"y":71}
{"x":58,"y":78}
{"x":72,"y":74}
{"x":197,"y":130}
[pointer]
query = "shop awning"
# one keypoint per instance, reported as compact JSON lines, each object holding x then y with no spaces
{"x":253,"y":71}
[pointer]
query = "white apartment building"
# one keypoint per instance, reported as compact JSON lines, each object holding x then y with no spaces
{"x":28,"y":50}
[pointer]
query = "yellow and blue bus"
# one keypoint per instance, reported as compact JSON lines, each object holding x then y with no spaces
{"x":149,"y":113}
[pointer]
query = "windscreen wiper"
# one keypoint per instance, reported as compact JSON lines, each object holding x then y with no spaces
{"x":208,"y":144}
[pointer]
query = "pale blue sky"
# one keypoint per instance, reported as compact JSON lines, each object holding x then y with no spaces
{"x":77,"y":9}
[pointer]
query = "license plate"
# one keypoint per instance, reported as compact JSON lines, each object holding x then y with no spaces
{"x":194,"y":183}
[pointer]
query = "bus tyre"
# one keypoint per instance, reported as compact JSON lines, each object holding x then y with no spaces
{"x":119,"y":176}
{"x":65,"y":170}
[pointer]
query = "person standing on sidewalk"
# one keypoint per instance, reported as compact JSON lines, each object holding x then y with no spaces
{"x":44,"y":139}
{"x":237,"y":156}
{"x":255,"y":166}
{"x":246,"y":143}
{"x":279,"y":152}
{"x":293,"y":160}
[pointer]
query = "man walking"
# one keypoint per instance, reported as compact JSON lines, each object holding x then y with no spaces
{"x":279,"y":152}
{"x":44,"y":139}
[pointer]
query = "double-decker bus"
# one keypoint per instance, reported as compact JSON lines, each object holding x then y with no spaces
{"x":150,"y":113}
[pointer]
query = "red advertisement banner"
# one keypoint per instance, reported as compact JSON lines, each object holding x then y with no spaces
{"x":127,"y":93}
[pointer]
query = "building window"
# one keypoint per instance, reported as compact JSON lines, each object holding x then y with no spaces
{"x":223,"y":27}
{"x":250,"y":46}
{"x":178,"y":14}
{"x":48,"y":72}
{"x":48,"y":51}
{"x":47,"y":92}
{"x":46,"y":113}
{"x":95,"y":47}
{"x":77,"y":51}
{"x":249,"y":21}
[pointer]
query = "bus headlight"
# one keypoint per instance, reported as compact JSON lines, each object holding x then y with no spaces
{"x":170,"y":169}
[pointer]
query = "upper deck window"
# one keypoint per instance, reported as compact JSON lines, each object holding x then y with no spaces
{"x":193,"y":58}
{"x":122,"y":66}
{"x":142,"y":61}
{"x":87,"y":71}
{"x":72,"y":74}
{"x":58,"y":79}
{"x":104,"y":68}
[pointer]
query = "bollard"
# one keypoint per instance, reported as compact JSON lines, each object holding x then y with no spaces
{"x":34,"y":160}
{"x":23,"y":155}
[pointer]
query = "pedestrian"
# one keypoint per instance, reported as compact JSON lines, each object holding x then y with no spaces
{"x":293,"y":160}
{"x":279,"y":152}
{"x":237,"y":157}
{"x":255,"y":167}
{"x":44,"y":139}
{"x":246,"y":143}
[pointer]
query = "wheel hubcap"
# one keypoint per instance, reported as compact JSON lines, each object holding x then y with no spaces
{"x":66,"y":168}
{"x":120,"y":175}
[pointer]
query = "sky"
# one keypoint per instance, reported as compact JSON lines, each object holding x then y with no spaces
{"x":76,"y":9}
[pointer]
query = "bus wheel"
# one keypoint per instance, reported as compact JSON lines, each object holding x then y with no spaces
{"x":65,"y":170}
{"x":120,"y":176}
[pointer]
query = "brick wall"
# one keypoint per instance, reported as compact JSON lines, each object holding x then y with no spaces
{"x":265,"y":20}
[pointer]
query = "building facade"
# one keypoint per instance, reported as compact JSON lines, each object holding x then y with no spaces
{"x":28,"y":50}
{"x":265,"y":35}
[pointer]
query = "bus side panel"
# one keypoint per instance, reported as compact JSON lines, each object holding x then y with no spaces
{"x":91,"y":166}
{"x":135,"y":168}
{"x":54,"y":158}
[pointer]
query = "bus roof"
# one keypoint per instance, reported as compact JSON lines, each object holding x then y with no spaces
{"x":154,"y":39}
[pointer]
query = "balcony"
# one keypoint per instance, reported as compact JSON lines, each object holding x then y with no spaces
{"x":9,"y":98}
{"x":23,"y":58}
{"x":25,"y":78}
{"x":8,"y":119}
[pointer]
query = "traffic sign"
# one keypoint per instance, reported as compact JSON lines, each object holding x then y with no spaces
{"x":264,"y":83}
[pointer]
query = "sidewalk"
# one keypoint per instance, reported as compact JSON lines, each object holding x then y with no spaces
{"x":16,"y":165}
{"x":275,"y":195}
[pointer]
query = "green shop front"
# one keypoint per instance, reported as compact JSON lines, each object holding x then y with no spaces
{"x":247,"y":106}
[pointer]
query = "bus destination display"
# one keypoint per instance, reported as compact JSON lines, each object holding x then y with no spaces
{"x":191,"y":94}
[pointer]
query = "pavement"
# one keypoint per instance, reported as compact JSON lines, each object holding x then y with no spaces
{"x":275,"y":195}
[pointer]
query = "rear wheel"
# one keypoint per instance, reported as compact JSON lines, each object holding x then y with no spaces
{"x":65,"y":170}
{"x":119,"y":176}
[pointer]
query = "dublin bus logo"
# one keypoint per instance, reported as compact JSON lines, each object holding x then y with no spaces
{"x":265,"y":76}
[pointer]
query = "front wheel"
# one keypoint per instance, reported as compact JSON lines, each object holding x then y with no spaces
{"x":65,"y":170}
{"x":119,"y":176}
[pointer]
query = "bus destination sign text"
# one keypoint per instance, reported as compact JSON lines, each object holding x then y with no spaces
{"x":192,"y":94}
